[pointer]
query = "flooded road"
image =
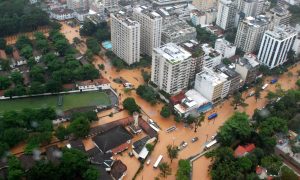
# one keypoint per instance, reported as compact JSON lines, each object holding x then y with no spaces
{"x":204,"y":133}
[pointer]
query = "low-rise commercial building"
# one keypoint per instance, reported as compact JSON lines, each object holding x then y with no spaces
{"x":62,"y":14}
{"x":247,"y":67}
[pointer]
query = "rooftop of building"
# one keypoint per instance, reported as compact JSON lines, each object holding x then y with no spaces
{"x":140,"y":144}
{"x":258,"y":21}
{"x":279,"y":10}
{"x":224,"y":41}
{"x":124,"y":18}
{"x":212,"y":76}
{"x":226,"y":70}
{"x":176,"y":27}
{"x":226,"y":2}
{"x":173,"y":53}
{"x":209,"y":51}
{"x":147,"y":11}
{"x":198,"y":12}
{"x":282,"y":32}
{"x":248,"y":61}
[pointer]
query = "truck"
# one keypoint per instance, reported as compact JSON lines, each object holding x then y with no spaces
{"x":212,"y":116}
{"x":157,"y":161}
{"x":273,"y":81}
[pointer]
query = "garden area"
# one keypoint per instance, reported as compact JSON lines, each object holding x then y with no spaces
{"x":69,"y":101}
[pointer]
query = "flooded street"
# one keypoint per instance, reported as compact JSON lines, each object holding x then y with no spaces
{"x":204,"y":133}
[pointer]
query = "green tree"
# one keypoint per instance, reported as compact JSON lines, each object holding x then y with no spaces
{"x":165,"y":111}
{"x":184,"y":169}
{"x":36,"y":88}
{"x":61,"y":46}
{"x":16,"y":77}
{"x":172,"y":152}
{"x":37,"y":74}
{"x":236,"y":128}
{"x":198,"y":121}
{"x":165,"y":169}
{"x":288,"y":174}
{"x":15,"y":171}
{"x":149,"y":147}
{"x":2,"y":43}
{"x":4,"y":65}
{"x":79,"y":127}
{"x":26,"y":51}
{"x":93,"y":45}
{"x":53,"y":86}
{"x":257,"y":93}
{"x":42,"y":45}
{"x":13,"y":136}
{"x":61,"y":132}
{"x":238,"y":101}
{"x":298,"y":83}
{"x":91,"y":173}
{"x":272,"y":163}
{"x":244,"y":163}
{"x":146,"y":76}
{"x":76,"y":40}
{"x":23,"y":41}
{"x":130,"y":105}
{"x":4,"y":82}
{"x":3,"y":148}
{"x":147,"y":93}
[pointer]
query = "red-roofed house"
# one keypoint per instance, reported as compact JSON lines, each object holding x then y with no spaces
{"x":261,"y":172}
{"x":241,"y":151}
{"x":94,"y":84}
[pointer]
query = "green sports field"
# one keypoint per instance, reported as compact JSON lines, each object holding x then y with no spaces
{"x":69,"y":101}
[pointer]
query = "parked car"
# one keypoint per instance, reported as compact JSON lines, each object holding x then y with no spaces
{"x":182,"y":145}
{"x":195,"y":139}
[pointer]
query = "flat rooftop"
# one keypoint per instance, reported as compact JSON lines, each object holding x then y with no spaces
{"x":173,"y":53}
{"x":147,"y":11}
{"x":212,"y":76}
{"x":122,"y":16}
{"x":257,"y":21}
{"x":282,"y":32}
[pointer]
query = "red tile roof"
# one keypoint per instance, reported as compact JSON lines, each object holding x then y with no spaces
{"x":120,"y":148}
{"x":147,"y":128}
{"x":259,"y":170}
{"x":16,"y":55}
{"x":177,"y":98}
{"x":118,"y":169}
{"x":242,"y":150}
{"x":94,"y":82}
{"x":69,"y":86}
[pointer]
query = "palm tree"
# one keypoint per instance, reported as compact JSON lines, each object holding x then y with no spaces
{"x":172,"y":152}
{"x":198,"y":121}
{"x":165,"y":169}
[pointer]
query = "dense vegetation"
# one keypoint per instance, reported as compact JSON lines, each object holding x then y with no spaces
{"x":295,"y":10}
{"x":130,"y":105}
{"x":34,"y":125}
{"x":19,"y":16}
{"x":269,"y":123}
{"x":204,"y":36}
{"x":56,"y":67}
{"x":72,"y":165}
{"x":147,"y":93}
{"x":184,"y":169}
{"x":101,"y":31}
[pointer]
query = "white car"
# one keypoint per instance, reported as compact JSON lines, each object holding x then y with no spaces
{"x":182,"y":145}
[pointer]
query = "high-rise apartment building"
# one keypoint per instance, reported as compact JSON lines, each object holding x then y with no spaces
{"x":204,"y":4}
{"x":280,"y":16}
{"x":251,"y":7}
{"x":275,"y":46}
{"x":111,"y":5}
{"x":151,"y":27}
{"x":125,"y":38}
{"x":250,"y":32}
{"x":171,"y":66}
{"x":226,"y":14}
{"x":78,"y":5}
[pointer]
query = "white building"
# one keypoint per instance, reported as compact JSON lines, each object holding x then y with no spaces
{"x":151,"y":27}
{"x":125,"y":38}
{"x":251,"y":7}
{"x":78,"y":5}
{"x":226,"y":14}
{"x":97,"y":6}
{"x":111,"y":5}
{"x":280,"y":16}
{"x":214,"y":86}
{"x":226,"y":48}
{"x":211,"y":57}
{"x":62,"y":14}
{"x":171,"y":66}
{"x":275,"y":46}
{"x":203,"y":18}
{"x":96,"y":84}
{"x":250,"y":32}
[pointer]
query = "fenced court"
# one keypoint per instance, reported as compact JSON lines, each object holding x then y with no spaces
{"x":59,"y":102}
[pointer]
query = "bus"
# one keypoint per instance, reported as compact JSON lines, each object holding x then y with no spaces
{"x":157,"y":161}
{"x":212,"y":116}
{"x":210,"y":144}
